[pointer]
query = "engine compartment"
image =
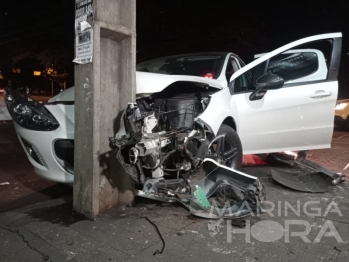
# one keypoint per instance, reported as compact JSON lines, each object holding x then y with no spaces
{"x":165,"y":136}
{"x":163,"y":148}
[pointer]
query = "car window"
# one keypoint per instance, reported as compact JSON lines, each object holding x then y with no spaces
{"x":246,"y":81}
{"x":208,"y":66}
{"x":232,"y":67}
{"x":229,"y":71}
{"x":292,"y":66}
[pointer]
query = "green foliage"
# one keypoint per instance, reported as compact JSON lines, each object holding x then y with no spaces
{"x":51,"y":61}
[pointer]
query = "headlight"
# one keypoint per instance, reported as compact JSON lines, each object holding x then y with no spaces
{"x":341,"y":106}
{"x":29,"y":114}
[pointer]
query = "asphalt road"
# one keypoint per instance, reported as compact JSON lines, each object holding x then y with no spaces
{"x":4,"y":114}
{"x":25,"y":187}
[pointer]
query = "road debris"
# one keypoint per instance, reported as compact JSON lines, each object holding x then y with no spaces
{"x":337,"y":249}
{"x":238,"y":223}
{"x":180,"y":233}
{"x":304,"y":175}
{"x":158,"y":231}
{"x":4,"y":184}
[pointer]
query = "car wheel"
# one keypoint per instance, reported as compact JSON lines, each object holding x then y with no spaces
{"x":227,"y":150}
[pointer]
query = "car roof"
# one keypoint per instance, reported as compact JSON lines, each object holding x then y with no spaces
{"x":192,"y":54}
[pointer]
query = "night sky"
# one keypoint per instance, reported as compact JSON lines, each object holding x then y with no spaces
{"x":167,"y":27}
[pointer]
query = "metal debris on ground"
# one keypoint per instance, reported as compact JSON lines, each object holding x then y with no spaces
{"x":312,"y":183}
{"x":341,"y":177}
{"x":180,"y":233}
{"x":238,"y":223}
{"x":304,"y":175}
{"x":158,"y":231}
{"x":337,"y":249}
{"x":209,"y":190}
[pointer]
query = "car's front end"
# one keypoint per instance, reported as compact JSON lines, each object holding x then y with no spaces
{"x":50,"y":145}
{"x":46,"y":133}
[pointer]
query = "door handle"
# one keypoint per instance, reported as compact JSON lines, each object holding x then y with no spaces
{"x":320,"y":94}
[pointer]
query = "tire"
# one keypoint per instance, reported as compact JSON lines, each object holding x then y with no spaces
{"x":233,"y":141}
{"x":232,"y":138}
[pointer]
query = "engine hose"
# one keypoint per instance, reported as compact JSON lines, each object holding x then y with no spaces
{"x":174,"y":151}
{"x":188,"y":153}
{"x":167,"y":156}
{"x":141,"y":173}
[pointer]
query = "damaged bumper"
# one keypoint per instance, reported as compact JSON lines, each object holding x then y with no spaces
{"x":214,"y":192}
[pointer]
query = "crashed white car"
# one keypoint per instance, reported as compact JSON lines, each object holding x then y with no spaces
{"x":199,"y":106}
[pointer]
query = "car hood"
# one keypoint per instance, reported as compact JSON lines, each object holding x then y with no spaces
{"x":64,"y":96}
{"x":150,"y":83}
{"x":147,"y":84}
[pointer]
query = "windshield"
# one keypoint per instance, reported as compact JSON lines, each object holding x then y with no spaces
{"x":208,"y":66}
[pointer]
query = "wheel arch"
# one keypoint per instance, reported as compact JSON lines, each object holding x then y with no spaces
{"x":230,"y":121}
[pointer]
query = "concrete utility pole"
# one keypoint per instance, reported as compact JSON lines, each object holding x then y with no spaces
{"x":102,"y":90}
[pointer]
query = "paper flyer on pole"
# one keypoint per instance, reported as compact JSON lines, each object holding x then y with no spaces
{"x":83,"y":32}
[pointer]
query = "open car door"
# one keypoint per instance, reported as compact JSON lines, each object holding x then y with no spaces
{"x":285,"y":100}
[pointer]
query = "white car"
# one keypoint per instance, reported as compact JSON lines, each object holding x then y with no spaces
{"x":282,"y":101}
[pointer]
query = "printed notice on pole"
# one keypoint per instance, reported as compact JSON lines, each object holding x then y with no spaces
{"x":83,"y":32}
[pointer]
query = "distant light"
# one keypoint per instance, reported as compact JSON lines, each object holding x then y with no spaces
{"x":37,"y":73}
{"x":291,"y":153}
{"x":341,"y":106}
{"x":16,"y":70}
{"x":209,"y":75}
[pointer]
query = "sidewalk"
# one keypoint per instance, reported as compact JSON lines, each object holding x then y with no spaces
{"x":335,"y":158}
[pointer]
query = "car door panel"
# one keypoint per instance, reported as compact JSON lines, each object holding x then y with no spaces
{"x":286,"y":48}
{"x":297,"y":124}
{"x":298,"y":116}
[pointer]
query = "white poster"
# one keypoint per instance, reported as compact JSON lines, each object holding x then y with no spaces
{"x":83,"y":32}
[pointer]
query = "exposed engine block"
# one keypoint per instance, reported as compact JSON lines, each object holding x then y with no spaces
{"x":163,"y":149}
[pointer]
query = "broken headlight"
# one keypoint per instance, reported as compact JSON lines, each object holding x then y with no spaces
{"x":28,"y":113}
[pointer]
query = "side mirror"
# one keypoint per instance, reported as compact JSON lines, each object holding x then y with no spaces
{"x":269,"y":82}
